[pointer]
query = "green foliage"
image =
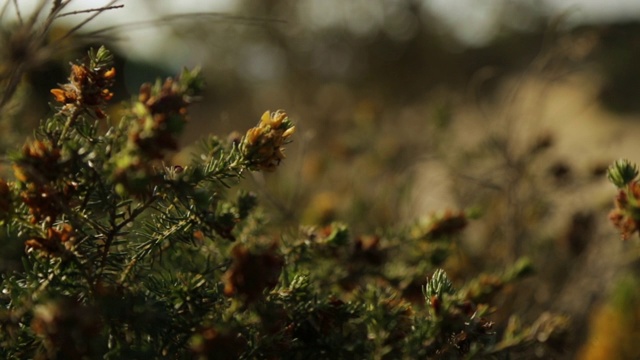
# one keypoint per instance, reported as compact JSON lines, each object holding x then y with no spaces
{"x":438,"y":285}
{"x":128,"y":257}
{"x":622,"y":172}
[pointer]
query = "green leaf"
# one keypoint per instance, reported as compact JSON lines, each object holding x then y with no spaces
{"x":622,"y":172}
{"x":438,"y":285}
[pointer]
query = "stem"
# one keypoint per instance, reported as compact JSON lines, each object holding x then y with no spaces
{"x":70,"y":121}
{"x":177,"y":227}
{"x":114,"y":232}
{"x":127,"y":270}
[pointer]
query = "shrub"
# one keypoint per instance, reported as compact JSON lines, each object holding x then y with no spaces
{"x":128,"y":257}
{"x":110,"y":250}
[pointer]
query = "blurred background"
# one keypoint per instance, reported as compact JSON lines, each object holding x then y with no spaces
{"x":509,"y":109}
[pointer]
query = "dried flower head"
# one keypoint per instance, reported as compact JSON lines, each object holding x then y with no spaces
{"x":160,"y":115}
{"x":39,"y":162}
{"x":38,"y":168}
{"x":626,"y":214}
{"x":88,"y":86}
{"x":251,"y":273}
{"x":42,"y":201}
{"x":262,"y":146}
{"x":55,"y":242}
{"x":442,"y":225}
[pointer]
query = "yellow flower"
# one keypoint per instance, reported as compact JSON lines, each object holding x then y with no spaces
{"x":262,"y":146}
{"x":290,"y":131}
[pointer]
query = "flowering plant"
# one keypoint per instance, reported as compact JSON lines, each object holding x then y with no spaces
{"x":127,"y":257}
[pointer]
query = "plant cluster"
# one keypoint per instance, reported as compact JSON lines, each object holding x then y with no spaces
{"x":626,"y":214}
{"x":614,"y":323}
{"x":128,"y":257}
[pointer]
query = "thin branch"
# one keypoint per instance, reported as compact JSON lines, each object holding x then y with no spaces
{"x":155,"y":240}
{"x":77,"y":12}
{"x":167,"y":20}
{"x":86,"y":21}
{"x":127,"y":270}
{"x":114,"y":232}
{"x":57,"y":4}
{"x":18,"y":14}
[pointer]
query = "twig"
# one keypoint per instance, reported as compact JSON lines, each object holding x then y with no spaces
{"x":114,"y":232}
{"x":188,"y":16}
{"x":18,"y":14}
{"x":86,"y":21}
{"x":77,"y":12}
